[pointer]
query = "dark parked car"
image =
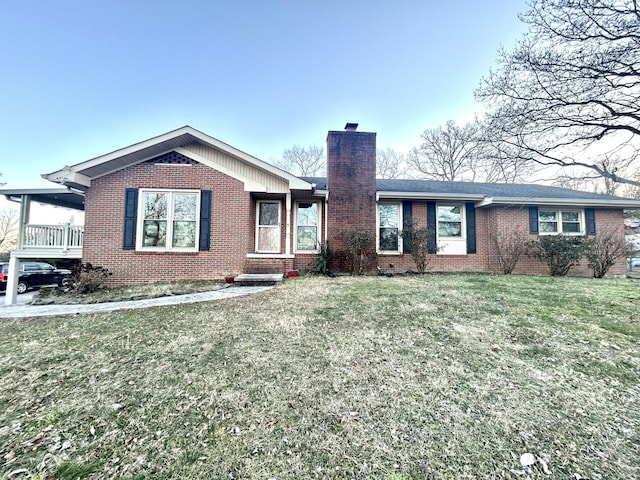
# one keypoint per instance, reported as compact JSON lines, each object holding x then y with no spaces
{"x":33,"y":274}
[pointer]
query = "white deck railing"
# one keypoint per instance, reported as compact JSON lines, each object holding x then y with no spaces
{"x":63,"y":237}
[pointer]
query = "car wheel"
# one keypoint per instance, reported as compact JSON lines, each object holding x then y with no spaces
{"x":22,"y":287}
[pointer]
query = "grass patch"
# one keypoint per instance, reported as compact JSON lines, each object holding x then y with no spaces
{"x":431,"y":376}
{"x":136,"y":292}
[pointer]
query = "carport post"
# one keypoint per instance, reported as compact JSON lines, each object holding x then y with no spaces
{"x":11,"y":297}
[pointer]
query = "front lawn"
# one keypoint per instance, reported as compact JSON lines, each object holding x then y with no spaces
{"x":434,"y":376}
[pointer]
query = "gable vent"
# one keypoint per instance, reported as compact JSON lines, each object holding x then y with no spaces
{"x":171,"y":158}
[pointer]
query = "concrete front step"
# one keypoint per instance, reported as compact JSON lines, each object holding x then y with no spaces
{"x":258,"y":279}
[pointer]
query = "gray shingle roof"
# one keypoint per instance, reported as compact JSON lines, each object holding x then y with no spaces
{"x":489,"y":190}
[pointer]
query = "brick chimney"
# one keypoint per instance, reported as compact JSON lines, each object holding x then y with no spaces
{"x":351,"y":177}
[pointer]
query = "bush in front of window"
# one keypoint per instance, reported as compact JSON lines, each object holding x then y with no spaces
{"x":323,"y":263}
{"x":509,"y":248}
{"x":559,"y":253}
{"x":361,"y":251}
{"x":421,"y":241}
{"x":604,"y":250}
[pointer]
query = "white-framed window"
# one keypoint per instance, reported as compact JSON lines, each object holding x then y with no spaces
{"x":389,"y":221}
{"x":451,"y":229}
{"x":555,"y":221}
{"x":268,"y":226}
{"x":307,"y":227}
{"x":450,"y":221}
{"x":168,"y":220}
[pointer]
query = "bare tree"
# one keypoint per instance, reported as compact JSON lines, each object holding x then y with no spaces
{"x":303,"y":161}
{"x":567,"y":95}
{"x":390,"y":164}
{"x":8,"y":228}
{"x":448,"y":153}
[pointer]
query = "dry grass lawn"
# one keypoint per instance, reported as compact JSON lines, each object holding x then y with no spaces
{"x":434,"y":376}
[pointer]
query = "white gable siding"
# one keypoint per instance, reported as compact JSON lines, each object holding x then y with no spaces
{"x":242,"y":169}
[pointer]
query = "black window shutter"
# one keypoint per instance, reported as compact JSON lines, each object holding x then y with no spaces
{"x":431,"y":225}
{"x":590,"y":214}
{"x":533,"y":220}
{"x":407,"y":224}
{"x":471,"y":227}
{"x":130,"y":212}
{"x":205,"y":220}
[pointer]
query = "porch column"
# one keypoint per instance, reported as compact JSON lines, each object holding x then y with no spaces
{"x":11,"y":297}
{"x":287,"y":241}
{"x":25,"y":213}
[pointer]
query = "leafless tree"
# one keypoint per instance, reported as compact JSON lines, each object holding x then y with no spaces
{"x":463,"y":153}
{"x":448,"y":153}
{"x":303,"y":161}
{"x":8,"y":228}
{"x":390,"y":164}
{"x":567,"y":95}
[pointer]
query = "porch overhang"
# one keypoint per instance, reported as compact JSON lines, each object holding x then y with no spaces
{"x":59,"y":197}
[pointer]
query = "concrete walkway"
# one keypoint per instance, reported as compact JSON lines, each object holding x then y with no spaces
{"x":25,"y":311}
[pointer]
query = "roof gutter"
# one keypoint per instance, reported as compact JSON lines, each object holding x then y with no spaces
{"x":488,"y":201}
{"x":430,"y":196}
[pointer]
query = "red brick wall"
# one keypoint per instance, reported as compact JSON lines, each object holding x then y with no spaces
{"x":231,"y":229}
{"x":233,"y":226}
{"x":477,"y":262}
{"x":508,"y":219}
{"x":491,"y":222}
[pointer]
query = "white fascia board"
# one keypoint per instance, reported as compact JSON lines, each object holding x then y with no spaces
{"x":430,"y":196}
{"x":34,"y":191}
{"x":561,"y":202}
{"x":123,"y":151}
{"x":294,"y":182}
{"x":66,"y":175}
{"x":249,"y":185}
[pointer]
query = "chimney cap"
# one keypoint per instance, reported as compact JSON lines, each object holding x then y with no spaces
{"x":351,"y":126}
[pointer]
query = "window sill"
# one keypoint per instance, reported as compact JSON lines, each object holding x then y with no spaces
{"x":164,"y":250}
{"x":269,"y":255}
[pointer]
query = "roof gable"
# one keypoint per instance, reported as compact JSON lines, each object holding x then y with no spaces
{"x":180,"y":141}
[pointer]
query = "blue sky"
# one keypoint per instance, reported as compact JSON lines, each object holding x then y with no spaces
{"x":83,"y":78}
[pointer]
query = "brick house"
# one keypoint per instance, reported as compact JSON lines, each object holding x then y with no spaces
{"x":185,"y":205}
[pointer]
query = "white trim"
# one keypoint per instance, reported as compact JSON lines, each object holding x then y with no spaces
{"x":287,"y":227}
{"x":559,"y":202}
{"x":400,"y":220}
{"x":318,"y":227}
{"x":429,"y":196}
{"x":169,"y":239}
{"x":249,"y":184}
{"x":559,"y":211}
{"x":458,"y":244}
{"x":279,"y":226}
{"x":66,"y":175}
{"x":168,"y":140}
